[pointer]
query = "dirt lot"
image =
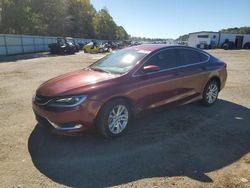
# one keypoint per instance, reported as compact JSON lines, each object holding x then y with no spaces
{"x":188,"y":146}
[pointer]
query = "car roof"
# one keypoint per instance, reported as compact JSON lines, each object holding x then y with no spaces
{"x":152,"y":47}
{"x":155,"y":47}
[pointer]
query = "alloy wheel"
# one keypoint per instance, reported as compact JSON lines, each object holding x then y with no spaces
{"x":118,"y":119}
{"x":212,"y":93}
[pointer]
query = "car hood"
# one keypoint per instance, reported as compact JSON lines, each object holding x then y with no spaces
{"x":62,"y":85}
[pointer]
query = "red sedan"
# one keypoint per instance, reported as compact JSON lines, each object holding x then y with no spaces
{"x":106,"y":95}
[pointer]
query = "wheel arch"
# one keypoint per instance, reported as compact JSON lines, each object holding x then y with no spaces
{"x":128,"y":100}
{"x":217,"y":79}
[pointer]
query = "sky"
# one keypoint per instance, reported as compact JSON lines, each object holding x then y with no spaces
{"x":172,"y":18}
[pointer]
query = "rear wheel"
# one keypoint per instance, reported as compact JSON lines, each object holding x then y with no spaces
{"x":210,"y":93}
{"x":114,"y":118}
{"x":101,"y":50}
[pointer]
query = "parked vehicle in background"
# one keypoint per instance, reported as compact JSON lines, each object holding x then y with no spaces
{"x":77,"y":46}
{"x":228,"y":45}
{"x":125,"y":43}
{"x":109,"y":92}
{"x":203,"y":45}
{"x":81,"y":45}
{"x":65,"y":45}
{"x":135,"y":43}
{"x":94,"y":47}
{"x":246,"y":45}
{"x":111,"y":45}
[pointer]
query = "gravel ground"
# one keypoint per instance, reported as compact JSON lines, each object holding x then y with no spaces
{"x":187,"y":146}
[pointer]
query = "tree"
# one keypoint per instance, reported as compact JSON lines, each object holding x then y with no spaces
{"x":76,"y":18}
{"x":17,"y":17}
{"x":182,"y":38}
{"x":81,"y":14}
{"x":52,"y":15}
{"x":240,"y":30}
{"x":121,"y":33}
{"x":105,"y":27}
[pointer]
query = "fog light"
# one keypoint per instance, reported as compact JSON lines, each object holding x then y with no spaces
{"x":65,"y":126}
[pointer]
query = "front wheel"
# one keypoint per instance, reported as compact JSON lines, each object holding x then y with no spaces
{"x":114,"y":118}
{"x":210,"y":93}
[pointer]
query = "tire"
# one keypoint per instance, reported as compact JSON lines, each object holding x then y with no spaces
{"x":210,"y":93}
{"x":107,"y":123}
{"x":225,"y":47}
{"x":101,"y":50}
{"x":72,"y":51}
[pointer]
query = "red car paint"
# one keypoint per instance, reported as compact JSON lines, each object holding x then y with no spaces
{"x":143,"y":91}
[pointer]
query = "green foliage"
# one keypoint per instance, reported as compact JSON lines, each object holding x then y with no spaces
{"x":133,"y":38}
{"x":52,"y":15}
{"x":104,"y":25}
{"x":121,"y":33}
{"x":80,"y":19}
{"x":182,"y":38}
{"x":76,"y":18}
{"x":240,"y":30}
{"x":17,"y":17}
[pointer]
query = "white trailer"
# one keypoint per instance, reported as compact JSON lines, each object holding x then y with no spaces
{"x":204,"y":39}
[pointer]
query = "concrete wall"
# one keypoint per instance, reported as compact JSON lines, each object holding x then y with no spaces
{"x":20,"y":44}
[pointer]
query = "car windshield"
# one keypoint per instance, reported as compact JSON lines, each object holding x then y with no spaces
{"x":119,"y":62}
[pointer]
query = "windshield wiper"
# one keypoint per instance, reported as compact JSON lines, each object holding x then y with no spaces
{"x":99,"y":69}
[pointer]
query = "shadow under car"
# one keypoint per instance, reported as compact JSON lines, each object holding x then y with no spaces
{"x":190,"y":140}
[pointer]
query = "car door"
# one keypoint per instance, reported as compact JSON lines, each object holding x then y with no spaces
{"x":191,"y":65}
{"x":160,"y":87}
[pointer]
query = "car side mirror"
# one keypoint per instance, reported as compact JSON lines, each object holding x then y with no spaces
{"x":150,"y":68}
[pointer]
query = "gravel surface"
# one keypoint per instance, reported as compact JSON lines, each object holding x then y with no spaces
{"x":185,"y":146}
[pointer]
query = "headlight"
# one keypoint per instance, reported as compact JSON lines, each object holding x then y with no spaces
{"x":67,"y":101}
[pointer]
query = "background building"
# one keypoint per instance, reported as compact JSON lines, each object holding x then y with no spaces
{"x":203,"y":39}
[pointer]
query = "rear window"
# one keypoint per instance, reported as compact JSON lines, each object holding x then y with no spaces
{"x":203,"y":57}
{"x":187,"y":57}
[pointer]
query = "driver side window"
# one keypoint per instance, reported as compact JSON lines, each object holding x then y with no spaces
{"x":165,"y":59}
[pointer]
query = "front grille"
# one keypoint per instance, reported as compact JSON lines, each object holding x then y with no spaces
{"x":42,"y":100}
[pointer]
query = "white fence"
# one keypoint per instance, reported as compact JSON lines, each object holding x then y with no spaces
{"x":21,"y":44}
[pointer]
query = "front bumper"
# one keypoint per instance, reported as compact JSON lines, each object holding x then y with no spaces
{"x":45,"y":123}
{"x":77,"y":120}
